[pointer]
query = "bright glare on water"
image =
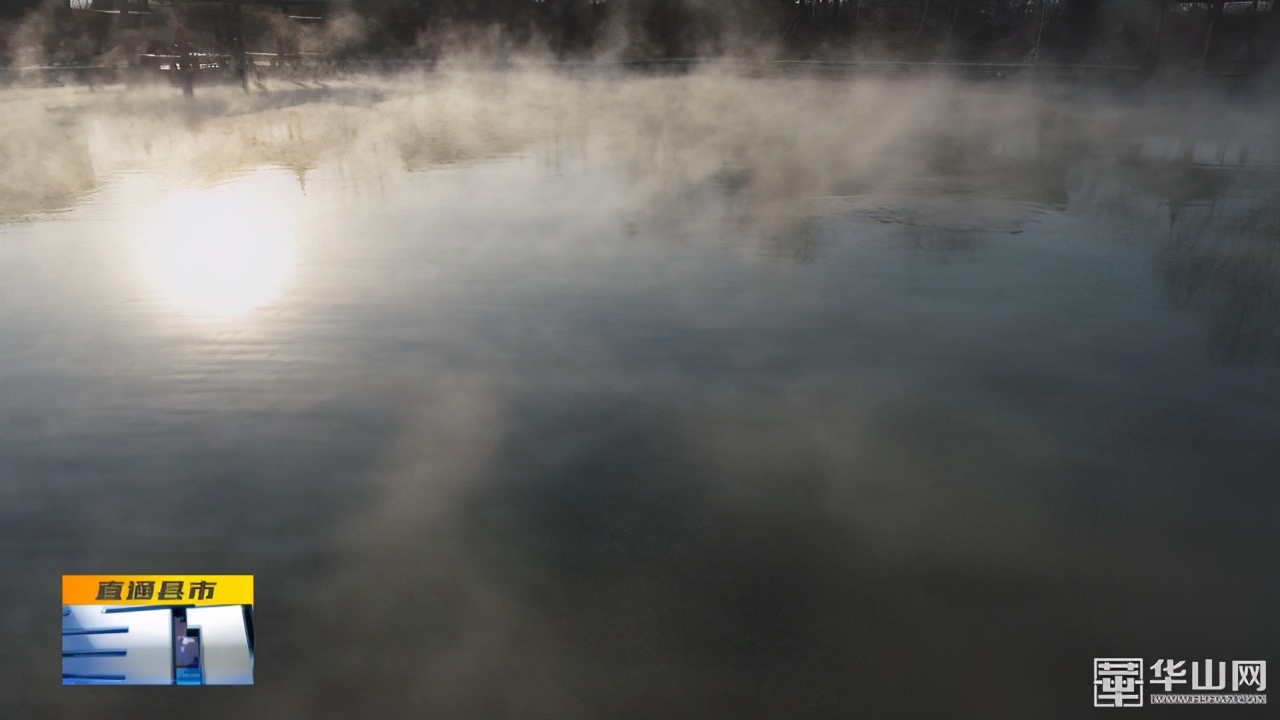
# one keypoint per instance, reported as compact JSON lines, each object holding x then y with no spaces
{"x":218,"y":253}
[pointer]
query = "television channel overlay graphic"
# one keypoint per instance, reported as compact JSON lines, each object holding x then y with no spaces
{"x":157,"y":629}
{"x":1124,"y":682}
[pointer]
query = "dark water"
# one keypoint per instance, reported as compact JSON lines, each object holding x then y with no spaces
{"x":571,"y":433}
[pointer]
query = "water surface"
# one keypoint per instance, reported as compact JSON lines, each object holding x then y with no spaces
{"x":524,"y":410}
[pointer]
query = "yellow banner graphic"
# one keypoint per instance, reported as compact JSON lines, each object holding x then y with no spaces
{"x":157,"y":589}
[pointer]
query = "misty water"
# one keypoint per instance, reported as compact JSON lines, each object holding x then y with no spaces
{"x":607,"y":397}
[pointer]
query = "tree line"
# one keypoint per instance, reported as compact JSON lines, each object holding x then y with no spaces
{"x":1130,"y":31}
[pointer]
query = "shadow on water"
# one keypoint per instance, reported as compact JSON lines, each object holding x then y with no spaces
{"x":1215,"y":233}
{"x":1225,"y":263}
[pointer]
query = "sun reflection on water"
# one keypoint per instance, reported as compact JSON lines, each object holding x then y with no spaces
{"x":216,"y":254}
